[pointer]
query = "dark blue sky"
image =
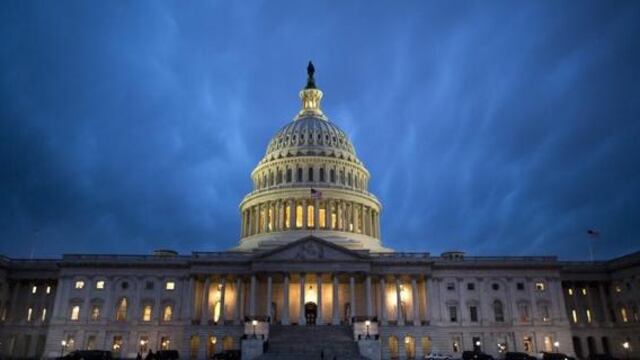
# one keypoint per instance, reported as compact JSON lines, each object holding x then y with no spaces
{"x":498,"y":128}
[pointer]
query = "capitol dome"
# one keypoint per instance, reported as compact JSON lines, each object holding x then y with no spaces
{"x":310,"y":181}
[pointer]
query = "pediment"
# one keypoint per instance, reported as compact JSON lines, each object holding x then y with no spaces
{"x":311,"y":248}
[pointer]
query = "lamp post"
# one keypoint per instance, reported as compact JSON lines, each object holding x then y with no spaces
{"x":625,"y":345}
{"x":478,"y":343}
{"x":63,"y":344}
{"x":254,"y":323}
{"x":143,"y":342}
{"x":368,"y":324}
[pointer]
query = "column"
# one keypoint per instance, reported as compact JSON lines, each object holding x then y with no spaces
{"x":238,"y":300}
{"x":252,"y":297}
{"x":316,"y":212}
{"x":319,"y":287}
{"x":284,"y":319}
{"x":352,"y":297}
{"x":292,"y":214}
{"x":339,"y":212}
{"x":428,"y":286}
{"x":399,"y":317}
{"x":249,"y":227}
{"x":352,"y":217}
{"x":415,"y":301}
{"x":281,"y":215}
{"x":205,"y":301}
{"x":269,"y":298}
{"x":335,"y":306}
{"x":274,"y":217}
{"x":383,"y":301}
{"x":302,"y":320}
{"x":304,"y":214}
{"x":368,"y":295}
{"x":327,"y":215}
{"x":265,"y":220}
{"x":223,"y":288}
{"x":603,"y":300}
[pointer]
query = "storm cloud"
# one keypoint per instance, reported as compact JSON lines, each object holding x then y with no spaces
{"x":497,"y":128}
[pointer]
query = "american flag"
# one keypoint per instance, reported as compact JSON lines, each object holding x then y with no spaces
{"x":593,"y":233}
{"x":315,"y":194}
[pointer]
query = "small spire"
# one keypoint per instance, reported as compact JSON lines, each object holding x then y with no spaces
{"x":311,"y":82}
{"x":311,"y":97}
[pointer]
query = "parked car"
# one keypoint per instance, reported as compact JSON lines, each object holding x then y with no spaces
{"x":167,"y":355}
{"x":518,"y":356}
{"x":88,"y":355}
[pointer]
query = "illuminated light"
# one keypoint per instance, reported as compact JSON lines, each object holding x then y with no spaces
{"x":100,"y":284}
{"x":214,"y":340}
{"x":625,"y":345}
{"x":48,"y":291}
{"x":170,"y":285}
{"x":570,"y":291}
{"x":556,"y":344}
{"x":34,"y":289}
{"x":254,"y":322}
{"x":478,"y":343}
{"x":63,"y":342}
{"x":368,"y":323}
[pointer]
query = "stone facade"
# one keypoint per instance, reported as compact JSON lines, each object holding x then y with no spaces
{"x":310,"y":254}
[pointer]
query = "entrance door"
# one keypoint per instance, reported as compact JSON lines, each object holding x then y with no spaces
{"x":310,"y":313}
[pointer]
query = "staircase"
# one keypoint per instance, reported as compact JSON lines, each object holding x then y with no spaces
{"x":307,"y":342}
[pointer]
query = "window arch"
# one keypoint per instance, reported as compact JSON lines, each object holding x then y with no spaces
{"x":498,"y":311}
{"x":121,"y":309}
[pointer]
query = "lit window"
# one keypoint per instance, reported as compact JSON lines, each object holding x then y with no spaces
{"x":100,"y":284}
{"x":570,"y":291}
{"x":584,"y":291}
{"x":540,"y":286}
{"x":527,"y":344}
{"x":79,"y":284}
{"x":299,"y":216}
{"x":44,"y":315}
{"x":623,"y":314}
{"x":167,"y":313}
{"x":34,"y":289}
{"x":170,"y":285}
{"x":95,"y":312}
{"x":165,"y":343}
{"x":588,"y":312}
{"x":121,"y":313}
{"x":287,"y":217}
{"x":310,"y":216}
{"x":48,"y":290}
{"x":574,"y":316}
{"x":456,"y":344}
{"x":146,"y":313}
{"x":75,"y":312}
{"x":29,"y":313}
{"x":544,"y":311}
{"x":322,"y":217}
{"x":618,"y":289}
{"x":116,"y":346}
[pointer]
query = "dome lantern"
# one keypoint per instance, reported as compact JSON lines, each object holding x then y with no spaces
{"x":311,"y":97}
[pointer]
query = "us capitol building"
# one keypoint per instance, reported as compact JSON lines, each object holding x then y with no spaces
{"x":310,"y":273}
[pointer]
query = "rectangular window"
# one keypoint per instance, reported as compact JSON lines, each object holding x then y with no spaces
{"x":299,"y":217}
{"x":584,"y":291}
{"x":527,"y":344}
{"x":48,"y":290}
{"x":548,"y":344}
{"x":100,"y":284}
{"x":148,"y":285}
{"x":453,"y":314}
{"x":520,"y":286}
{"x":322,"y":218}
{"x":44,"y":315}
{"x":473,"y":313}
{"x":79,"y":284}
{"x":570,"y":291}
{"x":540,"y":286}
{"x":310,"y":216}
{"x":455,"y":344}
{"x":451,"y":286}
{"x":471,"y":286}
{"x":165,"y":343}
{"x":588,"y":313}
{"x":544,"y":311}
{"x":310,"y":174}
{"x":116,"y":345}
{"x":287,"y":217}
{"x":623,"y":314}
{"x":75,"y":312}
{"x":288,"y":175}
{"x":170,"y":285}
{"x":34,"y":289}
{"x":91,"y":342}
{"x":574,"y":316}
{"x":29,"y":313}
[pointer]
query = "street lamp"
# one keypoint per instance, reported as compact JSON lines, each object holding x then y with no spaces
{"x":63,"y":344}
{"x":368,"y":324}
{"x":478,"y":343}
{"x":254,"y":323}
{"x":626,"y":346}
{"x":556,"y":345}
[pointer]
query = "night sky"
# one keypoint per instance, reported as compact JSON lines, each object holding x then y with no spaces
{"x":497,"y":128}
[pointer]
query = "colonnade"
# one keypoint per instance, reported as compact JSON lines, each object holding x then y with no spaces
{"x":303,"y":214}
{"x":246,"y":304}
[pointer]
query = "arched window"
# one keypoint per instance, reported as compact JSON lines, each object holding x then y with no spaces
{"x":121,"y":311}
{"x":426,"y":345}
{"x":299,"y":174}
{"x":393,"y":347}
{"x":498,"y":311}
{"x":289,"y":175}
{"x":310,"y":174}
{"x":299,"y":216}
{"x":146,"y":313}
{"x":279,"y":177}
{"x":287,"y":217}
{"x":332,"y":175}
{"x":321,"y":174}
{"x":75,"y":312}
{"x":350,"y":179}
{"x":410,"y":346}
{"x":271,"y":178}
{"x":342,"y":177}
{"x":310,"y":216}
{"x":167,"y":313}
